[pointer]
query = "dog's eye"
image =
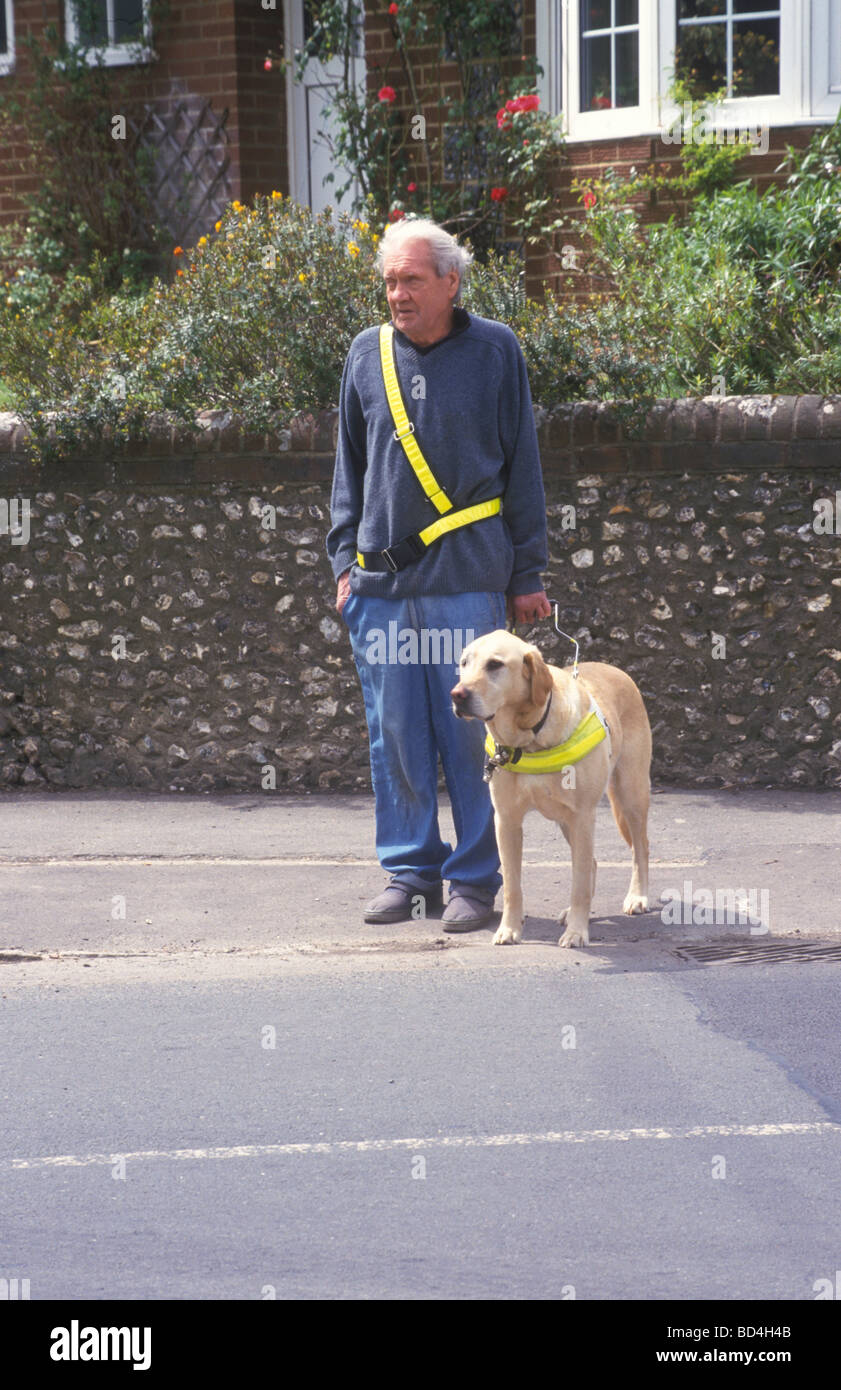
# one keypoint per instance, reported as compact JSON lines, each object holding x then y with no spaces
{"x":493,"y":665}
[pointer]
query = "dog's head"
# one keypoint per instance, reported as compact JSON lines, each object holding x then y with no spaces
{"x":500,"y":671}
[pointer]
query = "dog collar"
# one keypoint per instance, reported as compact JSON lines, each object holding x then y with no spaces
{"x":545,"y":715}
{"x":591,"y":731}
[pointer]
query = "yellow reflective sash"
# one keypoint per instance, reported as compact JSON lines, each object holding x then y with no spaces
{"x":431,"y":533}
{"x":590,"y":732}
{"x":404,"y":433}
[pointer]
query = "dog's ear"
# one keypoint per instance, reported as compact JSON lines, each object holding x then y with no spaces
{"x":540,"y":681}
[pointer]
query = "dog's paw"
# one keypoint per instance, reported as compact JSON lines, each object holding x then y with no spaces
{"x":565,"y":914}
{"x":572,"y":938}
{"x":506,"y":936}
{"x":634,"y":902}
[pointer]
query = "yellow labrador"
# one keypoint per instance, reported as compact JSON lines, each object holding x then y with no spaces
{"x":506,"y":682}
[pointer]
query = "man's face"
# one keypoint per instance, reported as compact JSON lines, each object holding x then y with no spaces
{"x":420,"y":301}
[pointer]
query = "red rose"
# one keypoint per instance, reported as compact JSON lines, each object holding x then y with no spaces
{"x":411,"y":187}
{"x":589,"y":200}
{"x":268,"y":65}
{"x":503,"y":120}
{"x":529,"y":102}
{"x":386,"y":94}
{"x":497,"y":194}
{"x":396,"y":214}
{"x":392,"y":9}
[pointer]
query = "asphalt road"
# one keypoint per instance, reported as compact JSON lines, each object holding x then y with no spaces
{"x":240,"y":1091}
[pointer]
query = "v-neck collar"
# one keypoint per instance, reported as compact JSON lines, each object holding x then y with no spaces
{"x":461,"y":321}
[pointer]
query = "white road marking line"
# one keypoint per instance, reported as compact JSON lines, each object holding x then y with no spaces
{"x":80,"y":861}
{"x":450,"y":1141}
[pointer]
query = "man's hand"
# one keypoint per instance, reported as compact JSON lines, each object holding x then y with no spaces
{"x":342,"y":591}
{"x":527,"y":608}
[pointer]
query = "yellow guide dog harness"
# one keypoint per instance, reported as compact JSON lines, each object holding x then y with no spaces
{"x":586,"y":736}
{"x":402,"y":553}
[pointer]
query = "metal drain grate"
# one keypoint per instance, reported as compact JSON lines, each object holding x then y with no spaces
{"x":758,"y":953}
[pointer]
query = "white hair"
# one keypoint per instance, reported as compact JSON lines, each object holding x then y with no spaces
{"x":446,"y":253}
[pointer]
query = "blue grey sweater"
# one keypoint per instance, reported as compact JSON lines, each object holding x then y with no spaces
{"x":468,"y":398}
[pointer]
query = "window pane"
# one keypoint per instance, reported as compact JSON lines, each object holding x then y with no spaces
{"x":595,"y":74}
{"x":756,"y":58}
{"x":627,"y":70}
{"x":701,"y":59}
{"x":4,"y":38}
{"x":753,"y":7}
{"x":128,"y":20}
{"x":700,"y":9}
{"x":627,"y":12}
{"x":595,"y":14}
{"x":92,"y":16}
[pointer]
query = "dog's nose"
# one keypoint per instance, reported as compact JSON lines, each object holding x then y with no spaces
{"x":458,"y":694}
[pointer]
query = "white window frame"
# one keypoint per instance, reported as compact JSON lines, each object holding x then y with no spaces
{"x":826,"y":58}
{"x":113,"y":54}
{"x":740,"y":113}
{"x":7,"y":59}
{"x":810,"y":72}
{"x":614,"y":122}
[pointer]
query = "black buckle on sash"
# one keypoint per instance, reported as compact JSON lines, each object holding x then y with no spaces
{"x":403,"y":553}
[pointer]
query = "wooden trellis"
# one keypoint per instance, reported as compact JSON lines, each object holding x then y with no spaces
{"x":191,"y":182}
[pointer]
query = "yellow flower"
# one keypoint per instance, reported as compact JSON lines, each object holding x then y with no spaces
{"x":302,"y":277}
{"x":360,"y":226}
{"x":202,"y":241}
{"x":237,"y":206}
{"x":375,"y":238}
{"x":353,"y":248}
{"x":218,"y":226}
{"x":275,"y":194}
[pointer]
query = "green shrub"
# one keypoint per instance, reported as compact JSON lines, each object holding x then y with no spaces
{"x":257,"y":319}
{"x":742,"y":299}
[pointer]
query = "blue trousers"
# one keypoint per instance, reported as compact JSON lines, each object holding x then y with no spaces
{"x":406,"y":652}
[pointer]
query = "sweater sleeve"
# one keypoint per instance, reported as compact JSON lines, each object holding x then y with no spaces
{"x":524,"y":501}
{"x":348,"y":478}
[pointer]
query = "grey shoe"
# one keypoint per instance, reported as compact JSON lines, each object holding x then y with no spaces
{"x":396,"y":901}
{"x":466,"y":914}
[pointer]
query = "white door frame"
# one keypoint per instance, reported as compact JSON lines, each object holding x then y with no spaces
{"x":301,"y":114}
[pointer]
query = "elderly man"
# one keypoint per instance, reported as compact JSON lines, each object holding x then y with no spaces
{"x":438,"y":514}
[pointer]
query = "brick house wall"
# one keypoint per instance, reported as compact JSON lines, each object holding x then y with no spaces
{"x":589,"y":160}
{"x":207,"y":49}
{"x":582,"y":160}
{"x":216,"y":49}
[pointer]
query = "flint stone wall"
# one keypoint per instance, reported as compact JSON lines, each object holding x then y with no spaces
{"x":691,"y":559}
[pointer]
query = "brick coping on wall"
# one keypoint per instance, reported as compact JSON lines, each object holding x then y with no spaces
{"x":753,"y":432}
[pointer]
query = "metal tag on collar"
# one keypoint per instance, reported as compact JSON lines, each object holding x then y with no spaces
{"x":502,"y":756}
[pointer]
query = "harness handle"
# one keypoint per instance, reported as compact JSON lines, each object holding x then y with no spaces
{"x":510,"y":627}
{"x":569,"y":639}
